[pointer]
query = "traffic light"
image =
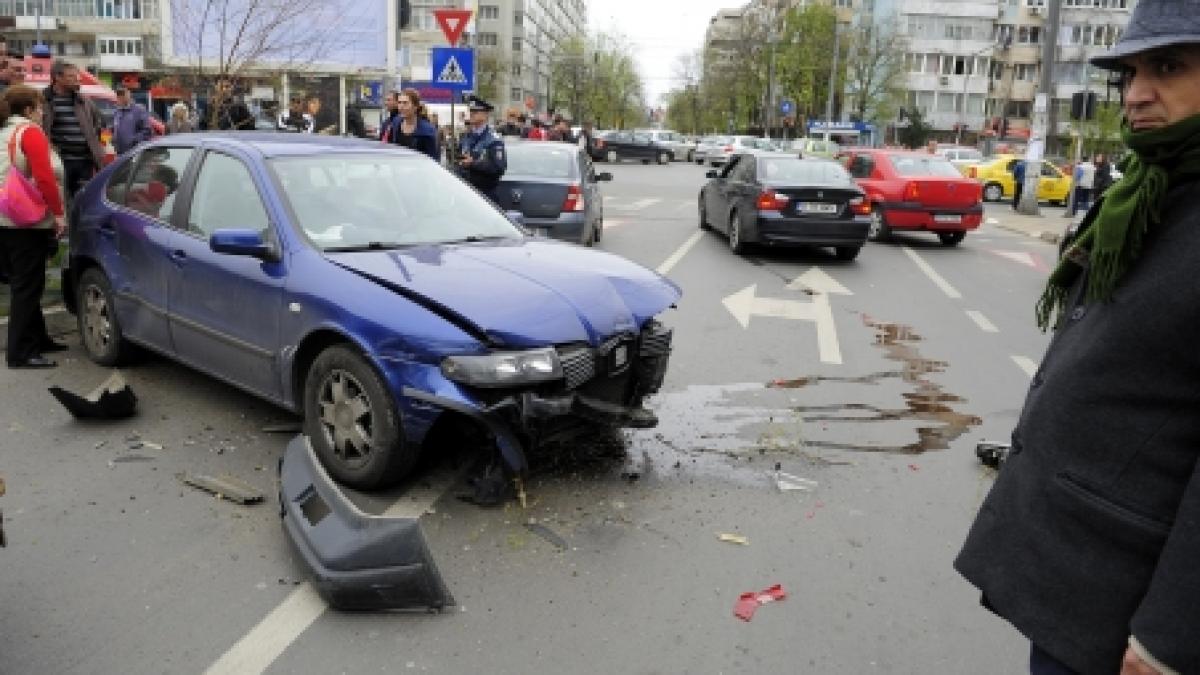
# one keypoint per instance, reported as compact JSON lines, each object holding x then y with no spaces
{"x":1083,"y":105}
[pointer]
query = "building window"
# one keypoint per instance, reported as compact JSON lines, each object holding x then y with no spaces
{"x":1027,"y":72}
{"x":487,"y":40}
{"x":517,"y":44}
{"x":932,"y":62}
{"x":1018,"y":108}
{"x":925,"y":101}
{"x":516,"y":93}
{"x":489,"y":12}
{"x":516,"y":69}
{"x":1029,"y":35}
{"x":518,"y":18}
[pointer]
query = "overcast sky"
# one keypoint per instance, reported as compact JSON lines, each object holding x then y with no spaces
{"x":660,"y":31}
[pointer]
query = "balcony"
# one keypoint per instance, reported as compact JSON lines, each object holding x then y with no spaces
{"x":121,"y":63}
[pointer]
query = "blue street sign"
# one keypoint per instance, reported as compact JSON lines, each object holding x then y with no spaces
{"x":786,"y":107}
{"x":371,"y":92}
{"x":453,"y":68}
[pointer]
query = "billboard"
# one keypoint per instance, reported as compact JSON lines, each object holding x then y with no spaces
{"x":347,"y":35}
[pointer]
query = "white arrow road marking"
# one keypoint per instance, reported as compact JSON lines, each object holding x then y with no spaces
{"x":744,"y":304}
{"x":1026,"y":364}
{"x":1023,"y":257}
{"x":817,"y":281}
{"x":932,"y":274}
{"x":982,"y":321}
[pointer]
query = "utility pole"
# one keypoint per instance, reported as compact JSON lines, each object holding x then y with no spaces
{"x":1043,"y":115}
{"x":832,"y":81}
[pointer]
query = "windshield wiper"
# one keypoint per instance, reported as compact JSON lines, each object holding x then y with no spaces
{"x":475,"y":238}
{"x":369,"y":246}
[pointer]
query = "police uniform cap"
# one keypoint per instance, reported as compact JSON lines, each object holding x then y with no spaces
{"x":476,"y":104}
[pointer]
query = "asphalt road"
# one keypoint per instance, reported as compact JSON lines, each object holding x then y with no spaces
{"x":876,"y":383}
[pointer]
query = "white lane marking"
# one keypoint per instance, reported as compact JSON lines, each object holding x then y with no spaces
{"x":932,"y":274}
{"x":259,"y":648}
{"x":419,"y":500}
{"x":613,"y":222}
{"x":1022,"y":257}
{"x":638,"y":205}
{"x":1026,"y":364}
{"x":982,"y":321}
{"x":671,"y":262}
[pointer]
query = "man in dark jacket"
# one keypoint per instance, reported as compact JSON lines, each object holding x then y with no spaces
{"x":73,"y":124}
{"x":131,"y":122}
{"x":1089,"y":542}
{"x":230,"y":113}
{"x":1103,"y":176}
{"x":481,"y":158}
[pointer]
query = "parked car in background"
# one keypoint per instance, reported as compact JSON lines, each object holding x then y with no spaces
{"x":782,"y":200}
{"x":814,"y":147}
{"x":961,"y":157}
{"x":733,"y":145}
{"x":681,"y":150}
{"x":915,"y":191}
{"x":706,"y":146}
{"x":620,"y":145}
{"x":556,"y":189}
{"x":996,"y":177}
{"x":365,"y":288}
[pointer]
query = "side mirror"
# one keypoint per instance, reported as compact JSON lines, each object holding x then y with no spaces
{"x":711,"y":173}
{"x":603,"y":177}
{"x":516,"y":218}
{"x":242,"y":242}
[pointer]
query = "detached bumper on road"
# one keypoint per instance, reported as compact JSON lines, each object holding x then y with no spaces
{"x":359,"y":561}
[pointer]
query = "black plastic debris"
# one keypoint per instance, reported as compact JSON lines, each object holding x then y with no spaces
{"x":359,"y":561}
{"x":112,"y":400}
{"x":992,"y":454}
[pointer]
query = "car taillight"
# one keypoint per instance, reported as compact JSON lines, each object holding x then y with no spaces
{"x":729,"y":148}
{"x":574,"y":200}
{"x":599,"y":143}
{"x":912,"y":192}
{"x":769,"y":200}
{"x":860,"y":206}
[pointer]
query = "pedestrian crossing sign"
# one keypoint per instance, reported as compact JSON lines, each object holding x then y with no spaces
{"x":453,"y":69}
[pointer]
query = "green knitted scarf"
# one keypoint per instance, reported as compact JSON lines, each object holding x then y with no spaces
{"x":1161,"y":158}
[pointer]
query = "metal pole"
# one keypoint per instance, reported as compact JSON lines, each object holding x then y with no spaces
{"x":39,"y":21}
{"x":1035,"y":150}
{"x":832,"y":81}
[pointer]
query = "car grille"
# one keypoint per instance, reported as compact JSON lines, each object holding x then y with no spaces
{"x":607,"y":371}
{"x":578,"y":364}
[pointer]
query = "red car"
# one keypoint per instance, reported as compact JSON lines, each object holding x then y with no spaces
{"x":916,"y":191}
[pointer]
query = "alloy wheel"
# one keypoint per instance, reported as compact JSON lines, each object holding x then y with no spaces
{"x":97,"y":322}
{"x":346,"y":417}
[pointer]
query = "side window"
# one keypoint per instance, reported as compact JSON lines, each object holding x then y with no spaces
{"x":861,"y":166}
{"x":225,"y":197}
{"x":1048,"y":170}
{"x":156,"y":181}
{"x":118,"y":183}
{"x":730,"y":166}
{"x":745,"y":171}
{"x":641,"y":139}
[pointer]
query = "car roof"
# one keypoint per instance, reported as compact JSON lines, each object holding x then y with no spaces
{"x":281,"y":144}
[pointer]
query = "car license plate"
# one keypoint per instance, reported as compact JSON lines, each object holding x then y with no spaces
{"x":947,"y":218}
{"x":816,"y":207}
{"x":540,"y":231}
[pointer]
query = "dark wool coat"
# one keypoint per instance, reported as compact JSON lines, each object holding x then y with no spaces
{"x":1092,"y":530}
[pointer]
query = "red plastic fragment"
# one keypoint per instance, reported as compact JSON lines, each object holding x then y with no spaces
{"x":749,"y":602}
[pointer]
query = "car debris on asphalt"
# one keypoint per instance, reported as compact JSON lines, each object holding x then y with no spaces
{"x":748,"y":603}
{"x":112,"y":400}
{"x":224,"y":487}
{"x":733,"y":538}
{"x":787,"y":482}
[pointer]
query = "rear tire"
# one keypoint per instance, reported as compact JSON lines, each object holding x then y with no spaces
{"x":878,"y":230}
{"x":664,"y":158}
{"x":691,"y":156}
{"x":846,"y":253}
{"x":353,"y":423}
{"x":99,"y":328}
{"x":735,"y":234}
{"x":951,"y":238}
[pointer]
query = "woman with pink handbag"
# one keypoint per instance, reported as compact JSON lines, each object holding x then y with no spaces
{"x":31,"y":211}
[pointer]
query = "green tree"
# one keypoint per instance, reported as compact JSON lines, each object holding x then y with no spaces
{"x":491,"y":68}
{"x":916,"y":134}
{"x":876,"y":70}
{"x":596,"y":78}
{"x":804,"y":57}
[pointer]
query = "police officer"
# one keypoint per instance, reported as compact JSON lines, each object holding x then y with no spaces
{"x":481,"y":160}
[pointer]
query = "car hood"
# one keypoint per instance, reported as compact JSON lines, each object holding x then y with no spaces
{"x":521,"y":292}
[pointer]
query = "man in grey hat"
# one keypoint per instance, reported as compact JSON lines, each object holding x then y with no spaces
{"x":481,"y":158}
{"x":1089,"y":542}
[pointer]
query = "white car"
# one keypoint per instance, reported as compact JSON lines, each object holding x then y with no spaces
{"x":706,"y":145}
{"x":961,"y":157}
{"x":734,"y":144}
{"x":683,"y":150}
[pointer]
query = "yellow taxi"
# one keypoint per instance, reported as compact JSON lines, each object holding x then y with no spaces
{"x":996,"y":176}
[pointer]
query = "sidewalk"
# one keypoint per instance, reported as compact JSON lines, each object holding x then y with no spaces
{"x":1048,"y":227}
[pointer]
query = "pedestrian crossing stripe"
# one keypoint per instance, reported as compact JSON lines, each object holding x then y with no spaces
{"x":452,"y":73}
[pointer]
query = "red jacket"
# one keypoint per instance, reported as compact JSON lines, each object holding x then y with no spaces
{"x":36,"y":148}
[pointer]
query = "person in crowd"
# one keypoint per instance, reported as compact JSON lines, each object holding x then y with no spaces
{"x":387,"y":124}
{"x":1103,"y":175}
{"x":1018,"y":172}
{"x":180,"y":121}
{"x":23,"y":246}
{"x":511,"y":126}
{"x":312,"y":106}
{"x":12,"y":68}
{"x":1084,"y":178}
{"x":587,"y":138}
{"x":295,"y":119}
{"x":561,"y":131}
{"x":413,"y":128}
{"x":131,"y":122}
{"x":229,"y":113}
{"x":536,"y":131}
{"x":73,"y":124}
{"x":481,"y":157}
{"x":355,"y":126}
{"x":1089,"y":539}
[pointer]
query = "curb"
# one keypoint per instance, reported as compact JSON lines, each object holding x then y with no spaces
{"x":58,"y":322}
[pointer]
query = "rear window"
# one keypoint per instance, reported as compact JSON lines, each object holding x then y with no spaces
{"x":541,"y":160}
{"x":802,"y":172}
{"x":917,"y":165}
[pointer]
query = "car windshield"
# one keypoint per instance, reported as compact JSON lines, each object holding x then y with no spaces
{"x":382,"y":200}
{"x":918,"y":165}
{"x":795,"y":171}
{"x":546,"y":161}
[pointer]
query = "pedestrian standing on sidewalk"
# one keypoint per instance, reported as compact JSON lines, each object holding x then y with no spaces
{"x":387,"y":124}
{"x":414,"y":130}
{"x":23,"y":246}
{"x":1103,"y":175}
{"x":481,"y":157}
{"x":12,"y":68}
{"x":181,"y":120}
{"x":1018,"y":172}
{"x":295,"y":120}
{"x":1084,"y":178}
{"x":131,"y":122}
{"x":1089,"y":542}
{"x":73,"y":124}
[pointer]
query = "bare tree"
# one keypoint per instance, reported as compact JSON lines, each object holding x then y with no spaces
{"x":875,"y":70}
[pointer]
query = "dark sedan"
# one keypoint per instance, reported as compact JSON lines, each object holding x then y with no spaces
{"x":782,"y":200}
{"x":619,"y":145}
{"x":556,"y":189}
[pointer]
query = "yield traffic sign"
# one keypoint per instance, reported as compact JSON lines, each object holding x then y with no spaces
{"x":452,"y":21}
{"x":453,"y":69}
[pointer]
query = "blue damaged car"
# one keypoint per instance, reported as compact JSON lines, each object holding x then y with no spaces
{"x":365,"y":288}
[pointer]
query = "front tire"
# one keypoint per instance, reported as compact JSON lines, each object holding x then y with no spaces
{"x":99,"y":328}
{"x":704,"y":224}
{"x":353,"y":423}
{"x":993,"y":192}
{"x":951,"y":238}
{"x":878,"y":230}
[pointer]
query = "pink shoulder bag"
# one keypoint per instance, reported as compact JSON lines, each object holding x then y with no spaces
{"x":20,"y":200}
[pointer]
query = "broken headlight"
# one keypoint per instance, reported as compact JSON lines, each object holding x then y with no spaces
{"x":504,"y":369}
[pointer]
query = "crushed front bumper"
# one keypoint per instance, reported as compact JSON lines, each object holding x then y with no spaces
{"x":359,"y":561}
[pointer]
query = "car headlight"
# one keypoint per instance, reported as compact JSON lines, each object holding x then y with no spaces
{"x":504,"y":369}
